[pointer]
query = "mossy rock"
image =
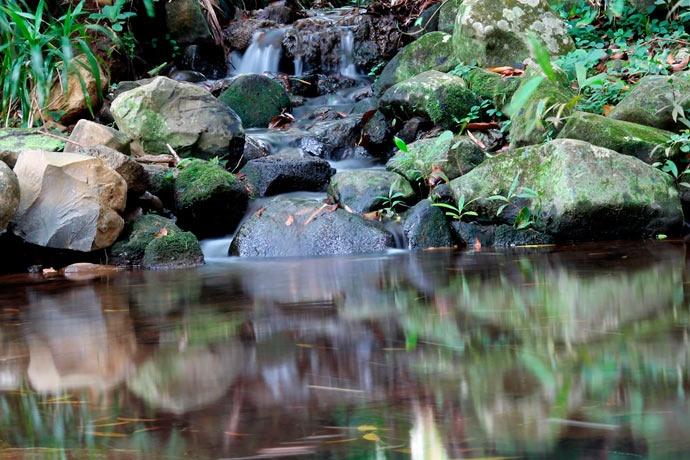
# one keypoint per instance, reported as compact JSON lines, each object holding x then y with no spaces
{"x":584,"y":192}
{"x":363,"y":190}
{"x":186,"y":21}
{"x":650,"y":102}
{"x":525,"y":128}
{"x":155,"y":242}
{"x":644,"y":142}
{"x":179,"y":250}
{"x":209,"y":201}
{"x":491,"y":86}
{"x":256,"y":99}
{"x":495,"y":32}
{"x":447,"y":14}
{"x":432,"y":51}
{"x":14,"y":141}
{"x":453,"y":156}
{"x":441,"y":98}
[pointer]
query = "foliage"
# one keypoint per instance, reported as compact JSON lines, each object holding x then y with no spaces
{"x":460,"y":211}
{"x":392,"y":203}
{"x":526,"y":216}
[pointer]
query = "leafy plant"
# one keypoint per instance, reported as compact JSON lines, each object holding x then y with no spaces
{"x":113,"y":14}
{"x":460,"y":211}
{"x":390,"y":204}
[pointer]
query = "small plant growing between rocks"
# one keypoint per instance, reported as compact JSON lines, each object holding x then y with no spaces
{"x":392,"y":203}
{"x":460,"y":211}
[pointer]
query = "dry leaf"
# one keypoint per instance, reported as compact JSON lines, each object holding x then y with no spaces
{"x":162,"y":232}
{"x":364,"y":428}
{"x":282,"y":121}
{"x":290,"y":220}
{"x":373,"y":437}
{"x":477,"y":244}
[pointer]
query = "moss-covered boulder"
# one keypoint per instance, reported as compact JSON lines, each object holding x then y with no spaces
{"x":432,"y":51}
{"x":583,"y":192}
{"x":164,"y":114}
{"x":155,"y":242}
{"x":495,"y":32}
{"x":292,"y":227}
{"x":365,"y":190}
{"x":451,"y":156}
{"x":447,"y":14}
{"x":644,"y":142}
{"x":650,"y":102}
{"x":209,"y":201}
{"x":426,"y":226}
{"x":529,"y":125}
{"x":491,"y":86}
{"x":441,"y":98}
{"x":14,"y":141}
{"x":256,"y":99}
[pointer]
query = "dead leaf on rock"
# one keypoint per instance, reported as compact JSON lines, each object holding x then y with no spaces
{"x":282,"y":121}
{"x":162,"y":232}
{"x":290,"y":220}
{"x":260,"y":212}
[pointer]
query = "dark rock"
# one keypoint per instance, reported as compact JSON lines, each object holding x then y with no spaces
{"x":190,"y":76}
{"x":186,"y":21}
{"x":289,"y":227}
{"x":254,"y":148}
{"x":426,"y":22}
{"x":285,"y":173}
{"x":426,"y":226}
{"x":333,"y":139}
{"x":507,"y":235}
{"x":376,"y":133}
{"x":256,"y":99}
{"x":161,"y":182}
{"x":471,"y":233}
{"x":413,"y":128}
{"x":238,"y":35}
{"x":207,"y":59}
{"x":209,"y":201}
{"x":281,"y":12}
{"x":9,"y":193}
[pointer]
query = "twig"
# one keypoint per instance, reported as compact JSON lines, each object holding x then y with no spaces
{"x":176,"y":157}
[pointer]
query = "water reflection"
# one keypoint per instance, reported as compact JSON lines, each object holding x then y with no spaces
{"x":557,"y":353}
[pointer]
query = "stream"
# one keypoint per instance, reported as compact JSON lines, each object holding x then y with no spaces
{"x":557,"y":352}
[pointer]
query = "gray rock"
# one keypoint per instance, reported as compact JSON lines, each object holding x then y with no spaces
{"x":289,"y":227}
{"x":9,"y":195}
{"x":283,"y":173}
{"x":425,"y":226}
{"x":88,"y":134}
{"x":333,"y":139}
{"x":362,"y":190}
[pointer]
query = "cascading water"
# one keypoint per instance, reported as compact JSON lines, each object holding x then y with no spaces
{"x":263,"y":54}
{"x":347,"y":46}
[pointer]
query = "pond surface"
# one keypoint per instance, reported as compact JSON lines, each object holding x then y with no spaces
{"x":568,"y":353}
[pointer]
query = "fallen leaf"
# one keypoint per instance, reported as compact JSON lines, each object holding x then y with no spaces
{"x":364,"y":428}
{"x":282,"y":121}
{"x":162,"y":232}
{"x":290,"y":220}
{"x":260,"y":212}
{"x":477,"y":244}
{"x":373,"y":437}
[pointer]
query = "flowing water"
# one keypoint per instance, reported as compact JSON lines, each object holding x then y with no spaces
{"x":577,"y":353}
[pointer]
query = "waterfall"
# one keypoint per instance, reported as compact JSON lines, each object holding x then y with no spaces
{"x":347,"y":45}
{"x":263,"y":54}
{"x":299,"y":66}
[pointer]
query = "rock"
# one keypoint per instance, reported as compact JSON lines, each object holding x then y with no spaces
{"x":14,"y":141}
{"x":254,"y":148}
{"x":209,"y":201}
{"x":439,"y":97}
{"x":68,"y":201}
{"x":132,"y":172}
{"x":643,"y":142}
{"x":491,"y":86}
{"x":291,"y":227}
{"x":523,"y":128}
{"x":361,"y":190}
{"x":288,"y":172}
{"x":82,"y":95}
{"x":447,"y":14}
{"x":472,"y":234}
{"x":583,"y":192}
{"x":426,"y":22}
{"x":507,"y":236}
{"x":189,"y":76}
{"x":207,"y":59}
{"x":256,"y":99}
{"x":279,"y":12}
{"x":376,"y":132}
{"x":425,"y":226}
{"x":433,"y":51}
{"x":494,"y":33}
{"x":185,"y":116}
{"x":333,"y":139}
{"x":180,"y":250}
{"x":161,"y":181}
{"x":452,"y":156}
{"x":9,"y":195}
{"x":85,"y":271}
{"x":186,"y":21}
{"x":87,"y":134}
{"x":238,"y":35}
{"x":137,"y":236}
{"x":414,"y":128}
{"x":650,"y":102}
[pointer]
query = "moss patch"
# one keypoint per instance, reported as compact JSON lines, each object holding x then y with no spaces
{"x":256,"y":99}
{"x":176,"y":250}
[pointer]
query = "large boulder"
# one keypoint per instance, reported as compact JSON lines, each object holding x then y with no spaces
{"x":425,"y":226}
{"x":155,"y":242}
{"x":87,"y":133}
{"x":291,"y":227}
{"x":365,"y":190}
{"x":182,"y":115}
{"x":495,"y":32}
{"x":444,"y":99}
{"x":432,"y":51}
{"x":209,"y":201}
{"x":132,"y":172}
{"x":644,"y":142}
{"x":651,"y":101}
{"x":9,"y":195}
{"x":583,"y":192}
{"x":186,"y":21}
{"x":288,"y":172}
{"x":14,"y":141}
{"x":68,"y":201}
{"x":447,"y":155}
{"x":256,"y":99}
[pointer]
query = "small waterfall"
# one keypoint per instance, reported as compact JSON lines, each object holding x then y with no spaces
{"x":263,"y":54}
{"x":347,"y":45}
{"x":299,"y":66}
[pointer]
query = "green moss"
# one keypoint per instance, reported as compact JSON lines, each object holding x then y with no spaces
{"x":256,"y":99}
{"x":175,"y":250}
{"x":15,"y":141}
{"x":198,"y":180}
{"x":447,"y":14}
{"x":491,"y":86}
{"x":137,"y":236}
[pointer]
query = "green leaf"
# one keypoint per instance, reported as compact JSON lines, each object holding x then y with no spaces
{"x":401,"y":144}
{"x":523,"y":219}
{"x":542,"y":56}
{"x":522,"y":95}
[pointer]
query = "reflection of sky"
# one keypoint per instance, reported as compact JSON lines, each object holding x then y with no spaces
{"x":446,"y":356}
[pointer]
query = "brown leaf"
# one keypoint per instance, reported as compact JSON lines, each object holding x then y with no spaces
{"x":260,"y":212}
{"x":290,"y":220}
{"x":483,"y":126}
{"x":162,"y":232}
{"x":282,"y":121}
{"x":477,"y":244}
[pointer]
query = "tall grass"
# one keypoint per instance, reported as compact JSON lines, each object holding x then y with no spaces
{"x":37,"y":51}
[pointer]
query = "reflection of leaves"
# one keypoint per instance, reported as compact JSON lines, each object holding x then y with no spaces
{"x":373,"y":437}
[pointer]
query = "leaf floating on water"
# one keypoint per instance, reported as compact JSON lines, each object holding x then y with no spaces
{"x":364,"y":428}
{"x":373,"y":437}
